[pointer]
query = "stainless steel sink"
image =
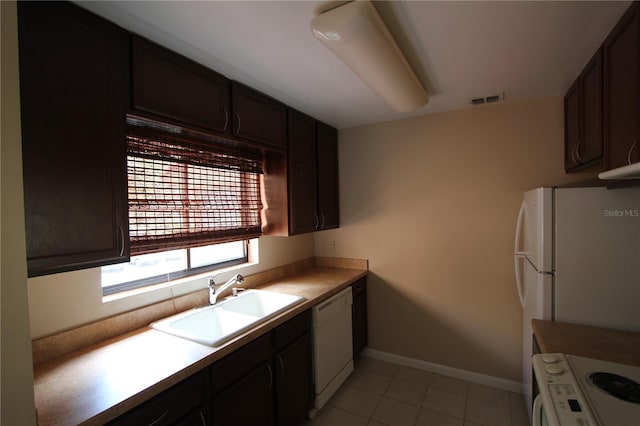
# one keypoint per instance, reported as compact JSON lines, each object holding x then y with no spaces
{"x":216,"y":324}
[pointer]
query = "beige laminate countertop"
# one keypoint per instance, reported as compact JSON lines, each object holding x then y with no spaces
{"x":591,"y":342}
{"x":96,"y":384}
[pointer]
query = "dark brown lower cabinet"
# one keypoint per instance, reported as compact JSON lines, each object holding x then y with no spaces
{"x":248,"y":402}
{"x":182,"y":404}
{"x":294,"y":384}
{"x":359,"y":315}
{"x":195,"y":418}
{"x":267,"y":382}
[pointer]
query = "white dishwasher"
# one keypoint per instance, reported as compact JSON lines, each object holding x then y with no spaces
{"x":332,"y":345}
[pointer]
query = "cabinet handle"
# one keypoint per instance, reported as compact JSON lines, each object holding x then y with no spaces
{"x":573,"y":155}
{"x":631,"y":151}
{"x":121,"y":241}
{"x":322,"y":223}
{"x":281,"y":365}
{"x":204,"y":423}
{"x":316,"y":221}
{"x":270,"y":375}
{"x":238,"y":120}
{"x":226,"y":119}
{"x":162,"y":416}
{"x":578,"y":151}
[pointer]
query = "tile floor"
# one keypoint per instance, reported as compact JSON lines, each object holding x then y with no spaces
{"x":381,"y":393}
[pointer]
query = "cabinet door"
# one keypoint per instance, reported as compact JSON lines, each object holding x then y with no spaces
{"x":172,"y":86}
{"x":294,"y":382}
{"x":181,"y":404}
{"x":590,"y":146}
{"x":258,"y":118}
{"x":195,"y":418}
{"x":622,"y":90}
{"x":583,"y":118}
{"x":571,"y":125}
{"x":327,"y":175}
{"x":359,"y":317}
{"x":239,"y":363}
{"x":249,"y":402}
{"x":302,"y":173}
{"x":73,"y":87}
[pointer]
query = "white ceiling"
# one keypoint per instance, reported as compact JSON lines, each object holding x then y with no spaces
{"x":459,"y":50}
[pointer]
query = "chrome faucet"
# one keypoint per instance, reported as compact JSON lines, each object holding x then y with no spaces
{"x":214,"y":292}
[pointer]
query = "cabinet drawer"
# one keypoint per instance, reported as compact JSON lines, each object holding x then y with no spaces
{"x":169,"y":406}
{"x":292,"y":329}
{"x":235,"y":365}
{"x":359,"y":287}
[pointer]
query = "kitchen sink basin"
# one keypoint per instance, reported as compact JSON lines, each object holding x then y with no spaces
{"x":216,"y":324}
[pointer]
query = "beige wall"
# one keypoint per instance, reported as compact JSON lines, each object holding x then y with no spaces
{"x":17,"y":406}
{"x":432,"y":202}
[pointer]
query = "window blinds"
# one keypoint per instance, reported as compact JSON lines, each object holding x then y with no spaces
{"x":187,"y":193}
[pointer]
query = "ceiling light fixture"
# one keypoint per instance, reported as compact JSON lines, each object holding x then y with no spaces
{"x":356,"y":34}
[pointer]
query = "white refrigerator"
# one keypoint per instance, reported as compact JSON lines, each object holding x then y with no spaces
{"x":577,"y":260}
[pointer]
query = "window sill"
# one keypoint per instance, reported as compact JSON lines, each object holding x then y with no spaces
{"x":182,"y":285}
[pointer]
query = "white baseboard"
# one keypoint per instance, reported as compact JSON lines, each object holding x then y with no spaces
{"x":469,"y":376}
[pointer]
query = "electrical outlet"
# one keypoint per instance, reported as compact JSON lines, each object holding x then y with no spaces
{"x":334,"y":246}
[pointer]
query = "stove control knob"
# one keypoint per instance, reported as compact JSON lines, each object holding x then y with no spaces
{"x":554,"y":369}
{"x":550,"y":358}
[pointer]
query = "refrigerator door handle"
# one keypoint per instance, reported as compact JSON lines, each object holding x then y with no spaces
{"x":519,"y":254}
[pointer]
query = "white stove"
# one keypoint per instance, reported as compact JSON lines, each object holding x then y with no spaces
{"x":577,"y":391}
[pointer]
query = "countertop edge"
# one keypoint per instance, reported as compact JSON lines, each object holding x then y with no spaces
{"x":612,"y":345}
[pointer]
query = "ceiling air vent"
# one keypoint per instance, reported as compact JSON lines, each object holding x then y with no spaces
{"x":487,"y":99}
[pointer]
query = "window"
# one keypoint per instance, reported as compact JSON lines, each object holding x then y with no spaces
{"x":194,"y":201}
{"x":155,"y":268}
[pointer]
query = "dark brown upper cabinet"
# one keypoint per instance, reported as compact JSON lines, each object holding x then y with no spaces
{"x":583,"y":118}
{"x":327,"y":177}
{"x":622,"y":90}
{"x":312,"y":175}
{"x":173,"y":87}
{"x":258,"y":118}
{"x":74,"y":85}
{"x":302,"y":173}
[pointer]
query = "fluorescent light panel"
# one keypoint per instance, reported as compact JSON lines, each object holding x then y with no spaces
{"x":356,"y":34}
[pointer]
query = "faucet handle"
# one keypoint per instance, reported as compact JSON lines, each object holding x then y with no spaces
{"x":236,"y":290}
{"x":211,"y":283}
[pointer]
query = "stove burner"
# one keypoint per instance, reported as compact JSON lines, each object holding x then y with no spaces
{"x":618,"y":386}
